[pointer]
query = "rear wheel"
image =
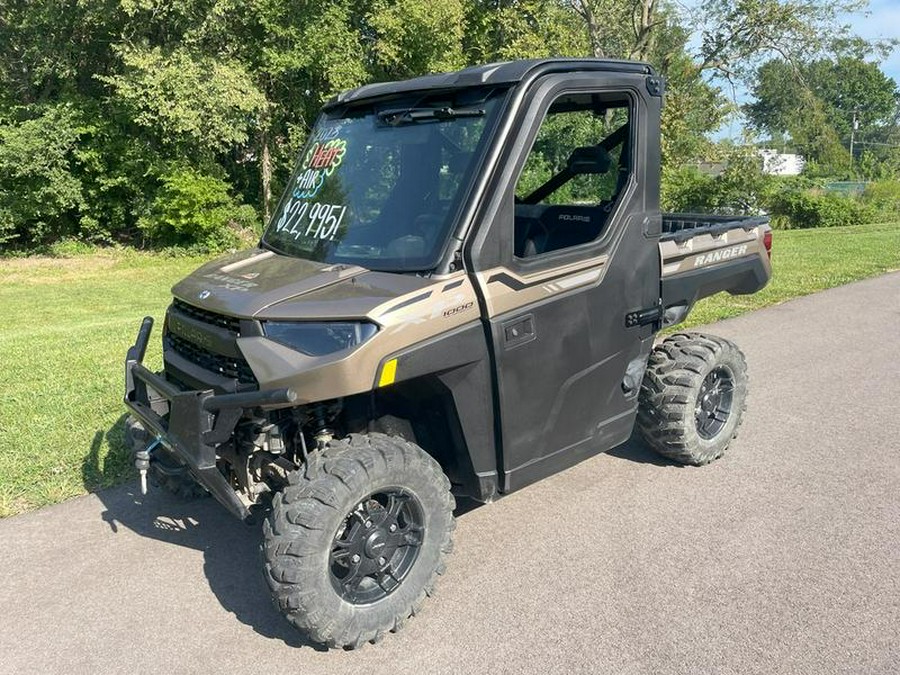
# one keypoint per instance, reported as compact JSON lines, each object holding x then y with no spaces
{"x":693,"y":397}
{"x":356,"y":541}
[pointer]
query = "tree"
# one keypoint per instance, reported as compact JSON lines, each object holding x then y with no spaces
{"x":412,"y":37}
{"x":502,"y":30}
{"x":844,"y":86}
{"x":737,"y":35}
{"x":811,"y":106}
{"x":191,"y":102}
{"x":38,"y":183}
{"x":113,"y":98}
{"x":655,"y":31}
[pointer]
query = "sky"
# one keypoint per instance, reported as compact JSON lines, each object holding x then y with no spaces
{"x":880,"y":20}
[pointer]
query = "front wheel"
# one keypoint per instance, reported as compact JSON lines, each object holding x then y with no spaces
{"x":356,"y":541}
{"x":693,"y":397}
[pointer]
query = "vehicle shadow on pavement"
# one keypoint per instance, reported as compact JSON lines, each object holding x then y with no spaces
{"x":231,"y":549}
{"x":636,"y":450}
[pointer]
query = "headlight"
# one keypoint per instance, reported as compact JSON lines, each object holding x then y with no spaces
{"x":319,"y":339}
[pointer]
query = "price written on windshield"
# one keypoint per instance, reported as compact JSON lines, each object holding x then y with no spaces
{"x":315,"y":221}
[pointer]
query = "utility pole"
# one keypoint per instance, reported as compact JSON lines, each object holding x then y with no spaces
{"x":853,"y":137}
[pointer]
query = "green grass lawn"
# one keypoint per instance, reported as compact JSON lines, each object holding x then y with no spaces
{"x":806,"y":261}
{"x":67,"y":324}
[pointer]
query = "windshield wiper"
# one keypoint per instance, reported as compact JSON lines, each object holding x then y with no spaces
{"x":412,"y":115}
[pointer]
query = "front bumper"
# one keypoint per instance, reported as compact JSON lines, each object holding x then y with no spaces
{"x":190,"y":424}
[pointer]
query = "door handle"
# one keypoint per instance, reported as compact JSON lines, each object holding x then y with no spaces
{"x":518,"y":331}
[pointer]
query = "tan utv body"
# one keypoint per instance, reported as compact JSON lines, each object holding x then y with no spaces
{"x":458,"y":295}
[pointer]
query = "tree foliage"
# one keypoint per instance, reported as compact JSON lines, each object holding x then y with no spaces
{"x":811,"y":106}
{"x":110,"y":109}
{"x":737,"y":35}
{"x":38,"y":161}
{"x":412,"y":37}
{"x":191,"y":102}
{"x":193,"y":208}
{"x":843,"y":86}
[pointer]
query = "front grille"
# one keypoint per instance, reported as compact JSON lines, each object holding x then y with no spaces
{"x":220,"y":320}
{"x":226,"y":366}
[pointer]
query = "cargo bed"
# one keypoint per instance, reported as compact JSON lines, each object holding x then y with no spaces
{"x":682,"y":226}
{"x":704,"y":254}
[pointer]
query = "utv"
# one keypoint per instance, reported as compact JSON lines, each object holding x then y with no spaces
{"x":457,"y":295}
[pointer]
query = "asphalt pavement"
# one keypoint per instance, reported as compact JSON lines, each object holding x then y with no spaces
{"x":781,"y":557}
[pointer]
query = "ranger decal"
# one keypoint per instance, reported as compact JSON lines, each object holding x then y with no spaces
{"x":719,"y":256}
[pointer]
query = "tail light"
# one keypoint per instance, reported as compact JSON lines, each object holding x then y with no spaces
{"x":767,"y":242}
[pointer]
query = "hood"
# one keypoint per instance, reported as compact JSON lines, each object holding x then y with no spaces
{"x":263,"y":284}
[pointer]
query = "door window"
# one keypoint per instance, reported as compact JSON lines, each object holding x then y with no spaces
{"x":577,"y":169}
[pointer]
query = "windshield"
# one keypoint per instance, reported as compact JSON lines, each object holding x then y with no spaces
{"x":381,"y":187}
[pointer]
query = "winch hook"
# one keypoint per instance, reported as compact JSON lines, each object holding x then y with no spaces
{"x":142,"y":461}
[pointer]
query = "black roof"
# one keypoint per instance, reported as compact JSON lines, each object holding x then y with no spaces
{"x":506,"y":72}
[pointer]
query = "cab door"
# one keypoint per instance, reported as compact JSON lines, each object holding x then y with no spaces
{"x":568,"y":259}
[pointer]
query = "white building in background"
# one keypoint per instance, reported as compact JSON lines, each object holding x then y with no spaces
{"x":781,"y":164}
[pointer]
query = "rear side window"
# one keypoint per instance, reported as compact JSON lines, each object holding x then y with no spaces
{"x":575,"y":173}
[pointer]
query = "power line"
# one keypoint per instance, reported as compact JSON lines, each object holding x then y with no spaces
{"x":887,"y":145}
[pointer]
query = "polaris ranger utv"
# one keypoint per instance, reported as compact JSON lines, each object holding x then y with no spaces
{"x":457,"y":295}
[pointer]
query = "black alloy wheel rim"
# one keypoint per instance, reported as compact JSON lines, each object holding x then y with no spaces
{"x":714,"y":402}
{"x":376,"y":545}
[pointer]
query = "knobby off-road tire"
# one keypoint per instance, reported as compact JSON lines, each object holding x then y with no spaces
{"x":334,"y":517}
{"x":693,"y":397}
{"x":165,"y":471}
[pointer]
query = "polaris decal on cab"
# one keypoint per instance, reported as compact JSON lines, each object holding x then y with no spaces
{"x":718,"y":256}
